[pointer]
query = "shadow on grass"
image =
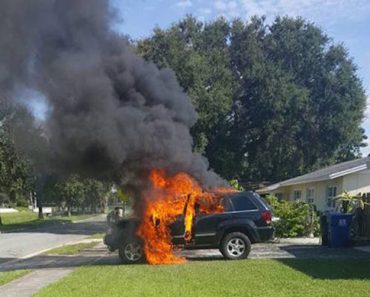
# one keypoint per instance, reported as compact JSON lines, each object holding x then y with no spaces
{"x":332,"y":269}
{"x":24,"y":225}
{"x":322,"y":252}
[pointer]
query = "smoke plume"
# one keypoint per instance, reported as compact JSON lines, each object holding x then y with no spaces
{"x":110,"y":112}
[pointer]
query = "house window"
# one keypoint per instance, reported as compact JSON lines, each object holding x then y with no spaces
{"x":332,"y":193}
{"x":279,"y":196}
{"x":310,"y":195}
{"x":367,"y":197}
{"x":297,"y":195}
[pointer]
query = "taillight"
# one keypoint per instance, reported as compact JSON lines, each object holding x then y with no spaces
{"x":267,"y":216}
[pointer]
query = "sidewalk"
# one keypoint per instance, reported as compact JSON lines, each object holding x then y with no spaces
{"x":31,"y":283}
{"x":299,"y":240}
{"x":365,"y":249}
{"x":48,"y":269}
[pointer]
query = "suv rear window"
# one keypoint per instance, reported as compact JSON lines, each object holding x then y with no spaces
{"x":243,"y":202}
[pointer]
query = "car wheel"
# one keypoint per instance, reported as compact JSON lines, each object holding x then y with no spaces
{"x":131,"y":252}
{"x":235,"y":246}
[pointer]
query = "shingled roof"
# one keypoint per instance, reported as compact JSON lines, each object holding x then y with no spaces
{"x":326,"y":173}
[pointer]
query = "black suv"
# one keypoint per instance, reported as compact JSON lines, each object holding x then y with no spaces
{"x":246,"y":219}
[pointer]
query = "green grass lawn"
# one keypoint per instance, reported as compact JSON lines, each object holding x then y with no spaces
{"x":291,"y":277}
{"x":18,"y":220}
{"x":71,"y":249}
{"x":6,"y":277}
{"x":20,"y":217}
{"x":27,"y":219}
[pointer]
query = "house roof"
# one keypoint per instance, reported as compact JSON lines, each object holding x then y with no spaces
{"x":326,"y":173}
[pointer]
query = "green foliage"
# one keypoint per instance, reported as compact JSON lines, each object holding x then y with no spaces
{"x":235,"y":184}
{"x":198,"y":53}
{"x":22,"y":203}
{"x":72,"y":191}
{"x":122,"y":195}
{"x":264,"y":94}
{"x":76,"y":191}
{"x":95,"y":193}
{"x":296,"y":218}
{"x":16,"y":179}
{"x":348,"y":203}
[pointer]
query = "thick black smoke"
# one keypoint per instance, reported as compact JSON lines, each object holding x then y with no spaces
{"x":110,"y":111}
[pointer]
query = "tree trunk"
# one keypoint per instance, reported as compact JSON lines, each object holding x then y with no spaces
{"x":41,"y":215}
{"x":69,"y":211}
{"x":13,"y":197}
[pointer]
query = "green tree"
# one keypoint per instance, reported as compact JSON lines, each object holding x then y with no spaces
{"x":199,"y":56}
{"x":72,"y":192}
{"x":274,"y":100}
{"x":15,"y":172}
{"x":95,"y":194}
{"x":31,"y":145}
{"x":301,"y":103}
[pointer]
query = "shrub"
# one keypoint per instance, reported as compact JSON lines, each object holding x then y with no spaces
{"x":296,"y":218}
{"x":22,"y":203}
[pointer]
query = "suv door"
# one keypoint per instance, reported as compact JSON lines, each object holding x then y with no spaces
{"x":205,"y":225}
{"x":178,"y":230}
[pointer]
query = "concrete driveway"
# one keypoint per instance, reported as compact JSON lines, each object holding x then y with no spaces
{"x":283,"y":251}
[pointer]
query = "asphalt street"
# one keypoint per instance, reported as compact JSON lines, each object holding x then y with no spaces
{"x":25,"y":243}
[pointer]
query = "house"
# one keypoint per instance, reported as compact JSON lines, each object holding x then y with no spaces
{"x":322,"y":186}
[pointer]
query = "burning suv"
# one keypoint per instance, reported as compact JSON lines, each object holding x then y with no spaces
{"x":245,"y":219}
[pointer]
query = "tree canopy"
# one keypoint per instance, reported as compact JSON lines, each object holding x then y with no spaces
{"x":274,"y":100}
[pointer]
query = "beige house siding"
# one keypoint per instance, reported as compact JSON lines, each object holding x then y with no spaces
{"x":357,"y":183}
{"x":353,"y":183}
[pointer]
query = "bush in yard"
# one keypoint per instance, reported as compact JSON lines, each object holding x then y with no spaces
{"x":22,"y":202}
{"x":296,"y":218}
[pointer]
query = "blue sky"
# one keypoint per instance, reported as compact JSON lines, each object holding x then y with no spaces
{"x":346,"y":21}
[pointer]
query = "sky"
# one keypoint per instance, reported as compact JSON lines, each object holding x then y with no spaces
{"x":345,"y":21}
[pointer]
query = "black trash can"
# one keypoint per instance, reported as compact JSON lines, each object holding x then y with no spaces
{"x":324,"y":226}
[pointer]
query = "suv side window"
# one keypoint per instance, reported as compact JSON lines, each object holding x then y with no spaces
{"x":227,"y":204}
{"x":243,"y":203}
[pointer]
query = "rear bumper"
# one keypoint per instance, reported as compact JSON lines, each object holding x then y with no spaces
{"x":265,"y":233}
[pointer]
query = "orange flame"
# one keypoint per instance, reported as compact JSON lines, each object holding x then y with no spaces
{"x":169,"y":198}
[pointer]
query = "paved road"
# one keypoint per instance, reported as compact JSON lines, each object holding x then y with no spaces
{"x":21,"y":244}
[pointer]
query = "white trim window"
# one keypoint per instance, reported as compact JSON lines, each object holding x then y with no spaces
{"x":297,"y":195}
{"x":279,"y":196}
{"x":331,"y":194}
{"x":310,"y":195}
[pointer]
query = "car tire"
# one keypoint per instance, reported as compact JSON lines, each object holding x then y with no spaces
{"x":235,"y":246}
{"x":131,"y":252}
